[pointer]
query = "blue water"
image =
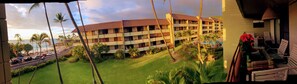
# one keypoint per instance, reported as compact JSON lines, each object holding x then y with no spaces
{"x":44,"y":46}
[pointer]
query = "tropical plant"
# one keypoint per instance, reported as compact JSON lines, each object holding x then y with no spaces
{"x":191,"y":73}
{"x":60,"y":19}
{"x":66,"y":41}
{"x":119,"y":54}
{"x":134,"y":52}
{"x":160,"y":77}
{"x":157,"y":20}
{"x":19,"y":38}
{"x":39,"y":39}
{"x":11,"y":51}
{"x":98,"y":49}
{"x":187,"y":33}
{"x":27,"y":48}
{"x":18,"y":48}
{"x":78,"y":51}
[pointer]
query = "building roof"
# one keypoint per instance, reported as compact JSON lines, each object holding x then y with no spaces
{"x":186,"y":17}
{"x":144,"y":22}
{"x":124,"y":23}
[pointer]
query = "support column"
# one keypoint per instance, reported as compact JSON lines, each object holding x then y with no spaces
{"x":5,"y":74}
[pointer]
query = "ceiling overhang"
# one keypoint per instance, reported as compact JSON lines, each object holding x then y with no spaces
{"x":254,"y":9}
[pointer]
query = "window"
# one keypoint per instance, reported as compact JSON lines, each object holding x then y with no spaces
{"x":129,"y":46}
{"x":129,"y":38}
{"x":140,"y":37}
{"x":94,"y":32}
{"x":128,"y":29}
{"x":117,"y":39}
{"x":139,"y":28}
{"x":154,"y":43}
{"x":116,"y":46}
{"x":116,"y":30}
{"x":104,"y":39}
{"x":152,"y":27}
{"x":141,"y":45}
{"x":162,"y":41}
{"x":103,"y":31}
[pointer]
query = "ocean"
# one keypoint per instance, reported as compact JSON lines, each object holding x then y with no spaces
{"x":44,"y":46}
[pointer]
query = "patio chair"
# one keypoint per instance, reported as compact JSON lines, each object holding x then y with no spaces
{"x":277,"y":74}
{"x":292,"y":60}
{"x":277,"y":54}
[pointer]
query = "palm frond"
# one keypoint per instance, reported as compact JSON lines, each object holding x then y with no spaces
{"x":35,"y":5}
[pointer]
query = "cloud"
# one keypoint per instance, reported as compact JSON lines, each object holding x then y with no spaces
{"x":96,"y":11}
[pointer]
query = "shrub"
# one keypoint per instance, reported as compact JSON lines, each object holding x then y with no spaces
{"x":79,"y":51}
{"x":98,"y":49}
{"x":134,"y":52}
{"x":62,"y":59}
{"x":73,"y":59}
{"x":119,"y":54}
{"x":67,"y":55}
{"x":27,"y":69}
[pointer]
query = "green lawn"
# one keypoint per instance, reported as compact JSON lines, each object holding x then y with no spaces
{"x":128,"y":71}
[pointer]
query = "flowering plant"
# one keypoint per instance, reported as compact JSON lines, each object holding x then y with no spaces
{"x":246,"y":42}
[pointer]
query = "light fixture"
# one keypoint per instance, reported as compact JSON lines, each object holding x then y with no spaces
{"x":268,"y":14}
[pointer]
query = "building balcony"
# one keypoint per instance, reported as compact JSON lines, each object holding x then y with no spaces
{"x":193,"y":24}
{"x":113,"y":43}
{"x":160,"y":45}
{"x":91,"y":36}
{"x":110,"y":35}
{"x":136,"y":41}
{"x":136,"y":33}
{"x":159,"y":38}
{"x":158,"y":31}
{"x":178,"y":25}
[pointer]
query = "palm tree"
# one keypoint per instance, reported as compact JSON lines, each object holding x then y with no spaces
{"x":52,"y":38}
{"x":60,"y":19}
{"x":198,"y":35}
{"x":18,"y":37}
{"x":90,"y":57}
{"x":39,"y":39}
{"x":157,"y":20}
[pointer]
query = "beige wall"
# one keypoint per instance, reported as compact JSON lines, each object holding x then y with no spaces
{"x":234,"y":26}
{"x":293,"y":24}
{"x":5,"y":75}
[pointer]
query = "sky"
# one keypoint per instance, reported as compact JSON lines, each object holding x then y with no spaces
{"x":20,"y":21}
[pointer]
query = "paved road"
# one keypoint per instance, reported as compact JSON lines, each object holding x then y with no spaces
{"x":35,"y":62}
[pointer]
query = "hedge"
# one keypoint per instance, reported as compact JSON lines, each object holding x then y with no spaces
{"x":15,"y":73}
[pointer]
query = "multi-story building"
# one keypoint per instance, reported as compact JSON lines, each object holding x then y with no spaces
{"x":144,"y":33}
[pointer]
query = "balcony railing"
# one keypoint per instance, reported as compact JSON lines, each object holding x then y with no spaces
{"x":159,"y":38}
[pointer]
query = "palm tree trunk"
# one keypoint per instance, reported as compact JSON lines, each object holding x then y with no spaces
{"x":84,"y":44}
{"x":170,"y":7}
{"x":52,"y":38}
{"x":63,"y":30}
{"x":39,"y":49}
{"x":82,"y":22}
{"x":156,"y":17}
{"x":198,"y":35}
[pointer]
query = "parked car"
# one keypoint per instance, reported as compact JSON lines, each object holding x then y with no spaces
{"x":36,"y":57}
{"x":28,"y":58}
{"x":14,"y":61}
{"x":50,"y":53}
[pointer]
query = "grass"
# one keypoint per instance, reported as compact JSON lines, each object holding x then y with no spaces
{"x":127,"y":71}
